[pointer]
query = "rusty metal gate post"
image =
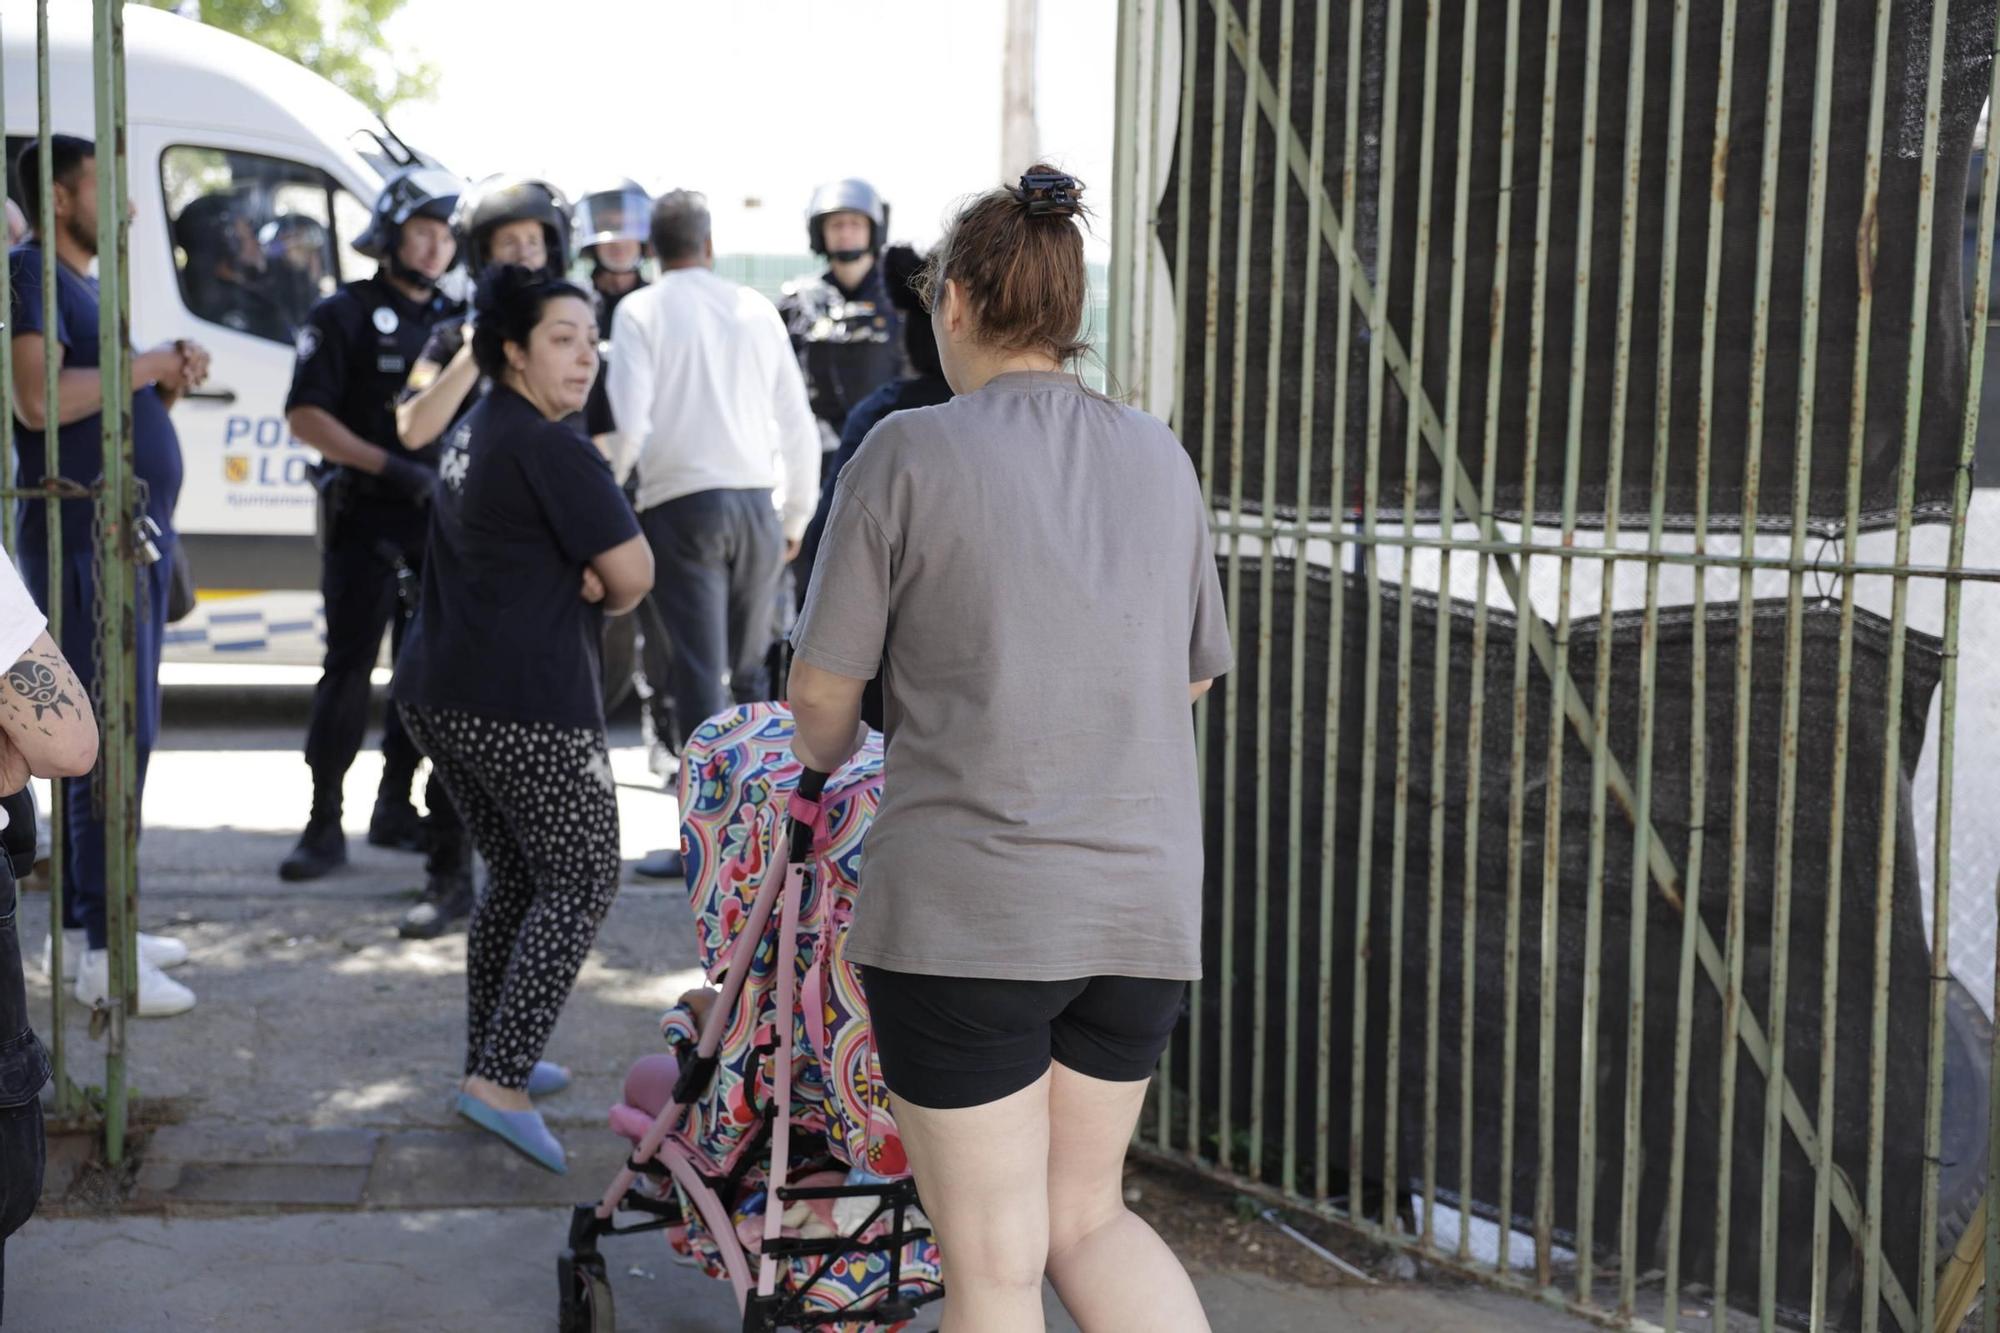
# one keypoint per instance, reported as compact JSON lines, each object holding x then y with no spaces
{"x":114,"y":498}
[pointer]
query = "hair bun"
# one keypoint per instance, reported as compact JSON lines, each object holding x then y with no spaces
{"x":1050,"y":193}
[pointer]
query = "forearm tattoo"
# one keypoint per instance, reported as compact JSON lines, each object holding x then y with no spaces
{"x":43,"y":686}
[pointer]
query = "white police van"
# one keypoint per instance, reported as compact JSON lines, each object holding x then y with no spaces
{"x":293,"y":163}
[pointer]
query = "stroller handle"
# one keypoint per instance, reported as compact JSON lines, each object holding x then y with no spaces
{"x":812,"y":785}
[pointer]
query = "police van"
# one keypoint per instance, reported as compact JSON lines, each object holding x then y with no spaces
{"x":250,"y":176}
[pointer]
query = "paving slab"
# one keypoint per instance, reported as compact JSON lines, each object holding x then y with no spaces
{"x":435,"y":1168}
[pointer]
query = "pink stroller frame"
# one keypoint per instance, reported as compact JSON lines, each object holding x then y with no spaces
{"x":767,"y":1300}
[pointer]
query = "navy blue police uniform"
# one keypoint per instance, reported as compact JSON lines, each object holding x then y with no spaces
{"x":354,"y":356}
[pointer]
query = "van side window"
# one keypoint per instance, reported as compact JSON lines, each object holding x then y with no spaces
{"x":253,"y":245}
{"x":350,"y":219}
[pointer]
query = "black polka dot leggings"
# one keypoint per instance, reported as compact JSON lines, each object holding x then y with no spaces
{"x":539,"y":802}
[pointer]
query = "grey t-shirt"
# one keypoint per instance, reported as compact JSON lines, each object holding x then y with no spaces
{"x":1030,"y":567}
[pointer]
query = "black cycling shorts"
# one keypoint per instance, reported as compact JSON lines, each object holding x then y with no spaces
{"x":948,"y":1042}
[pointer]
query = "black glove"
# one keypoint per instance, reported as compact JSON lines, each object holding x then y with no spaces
{"x":412,"y":481}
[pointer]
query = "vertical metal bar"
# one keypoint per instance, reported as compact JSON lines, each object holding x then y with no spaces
{"x":1441,"y":664}
{"x":1405,"y":614}
{"x":1441,"y":685}
{"x":1183,"y":129}
{"x":1524,"y":603}
{"x":116,"y":588}
{"x":1496,"y":344}
{"x":1344,"y":270}
{"x":1302,"y":503}
{"x":1824,"y":1180}
{"x":1981,"y":312}
{"x":1124,"y":192}
{"x":1735,"y":942}
{"x":1788,"y":745}
{"x":1579,"y":356}
{"x":1698,"y":703}
{"x":1885,"y":852}
{"x":1649,"y":646}
{"x":1308,"y":402}
{"x":1211,"y":322}
{"x":1149,"y":226}
{"x":1552,"y":786}
{"x":1232,"y":683}
{"x":45,"y":230}
{"x":1600,"y":753}
{"x":1266,"y":576}
{"x":1378,"y":322}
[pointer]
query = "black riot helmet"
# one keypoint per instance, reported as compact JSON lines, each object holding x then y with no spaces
{"x":219,"y":228}
{"x":413,"y":192}
{"x":621,"y":211}
{"x":852,"y":195}
{"x":499,"y":200}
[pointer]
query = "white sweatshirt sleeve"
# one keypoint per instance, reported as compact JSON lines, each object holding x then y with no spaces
{"x":798,"y":434}
{"x":629,"y":385}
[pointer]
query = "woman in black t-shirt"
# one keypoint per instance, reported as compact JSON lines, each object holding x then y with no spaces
{"x":531,"y":543}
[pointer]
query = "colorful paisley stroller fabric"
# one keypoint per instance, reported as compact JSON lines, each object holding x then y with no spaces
{"x":737,"y":776}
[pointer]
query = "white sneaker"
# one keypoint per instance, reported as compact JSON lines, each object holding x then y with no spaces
{"x":161,"y":951}
{"x":160,"y":996}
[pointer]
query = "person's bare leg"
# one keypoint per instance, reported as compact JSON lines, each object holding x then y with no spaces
{"x":980,"y":1170}
{"x":1111,"y":1270}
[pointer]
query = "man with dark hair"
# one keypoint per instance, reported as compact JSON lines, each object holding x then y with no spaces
{"x":712,"y":410}
{"x":67,"y":333}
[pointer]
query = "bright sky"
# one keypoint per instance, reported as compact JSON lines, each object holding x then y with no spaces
{"x":755,"y":103}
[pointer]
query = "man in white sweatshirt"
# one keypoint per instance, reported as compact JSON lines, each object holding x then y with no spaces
{"x":712,"y":410}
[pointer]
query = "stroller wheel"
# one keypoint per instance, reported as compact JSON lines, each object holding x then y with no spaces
{"x":585,"y":1292}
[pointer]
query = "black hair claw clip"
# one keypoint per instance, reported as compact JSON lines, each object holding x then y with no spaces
{"x":1051,"y":192}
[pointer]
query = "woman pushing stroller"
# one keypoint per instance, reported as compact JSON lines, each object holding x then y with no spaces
{"x":1028,"y":567}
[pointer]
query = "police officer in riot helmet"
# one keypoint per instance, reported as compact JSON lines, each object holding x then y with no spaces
{"x":299,"y":260}
{"x":847,"y":332}
{"x":354,"y":353}
{"x":228,"y":280}
{"x":610,"y":226}
{"x":501,"y":220}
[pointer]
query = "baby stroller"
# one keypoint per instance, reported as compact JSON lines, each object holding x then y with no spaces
{"x":763,"y":1147}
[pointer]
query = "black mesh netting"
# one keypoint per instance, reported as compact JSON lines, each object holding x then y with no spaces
{"x":1880,"y":252}
{"x":1674,"y":820}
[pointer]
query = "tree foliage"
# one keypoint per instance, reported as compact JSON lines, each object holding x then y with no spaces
{"x":340,"y":40}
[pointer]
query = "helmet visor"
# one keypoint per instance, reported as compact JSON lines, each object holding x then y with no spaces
{"x":432,"y":190}
{"x":612,"y":215}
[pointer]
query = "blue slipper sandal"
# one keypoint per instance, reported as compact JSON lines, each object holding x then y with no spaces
{"x":522,"y":1130}
{"x":546,"y":1079}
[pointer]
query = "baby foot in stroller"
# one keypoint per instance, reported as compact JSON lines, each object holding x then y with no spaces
{"x":547,"y":1079}
{"x":524,"y":1131}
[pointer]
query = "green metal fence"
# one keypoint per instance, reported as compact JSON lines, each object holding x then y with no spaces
{"x":115,"y":497}
{"x":1649,"y":1072}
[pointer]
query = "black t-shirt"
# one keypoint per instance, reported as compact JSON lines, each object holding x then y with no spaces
{"x":355,"y":352}
{"x":503,"y":630}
